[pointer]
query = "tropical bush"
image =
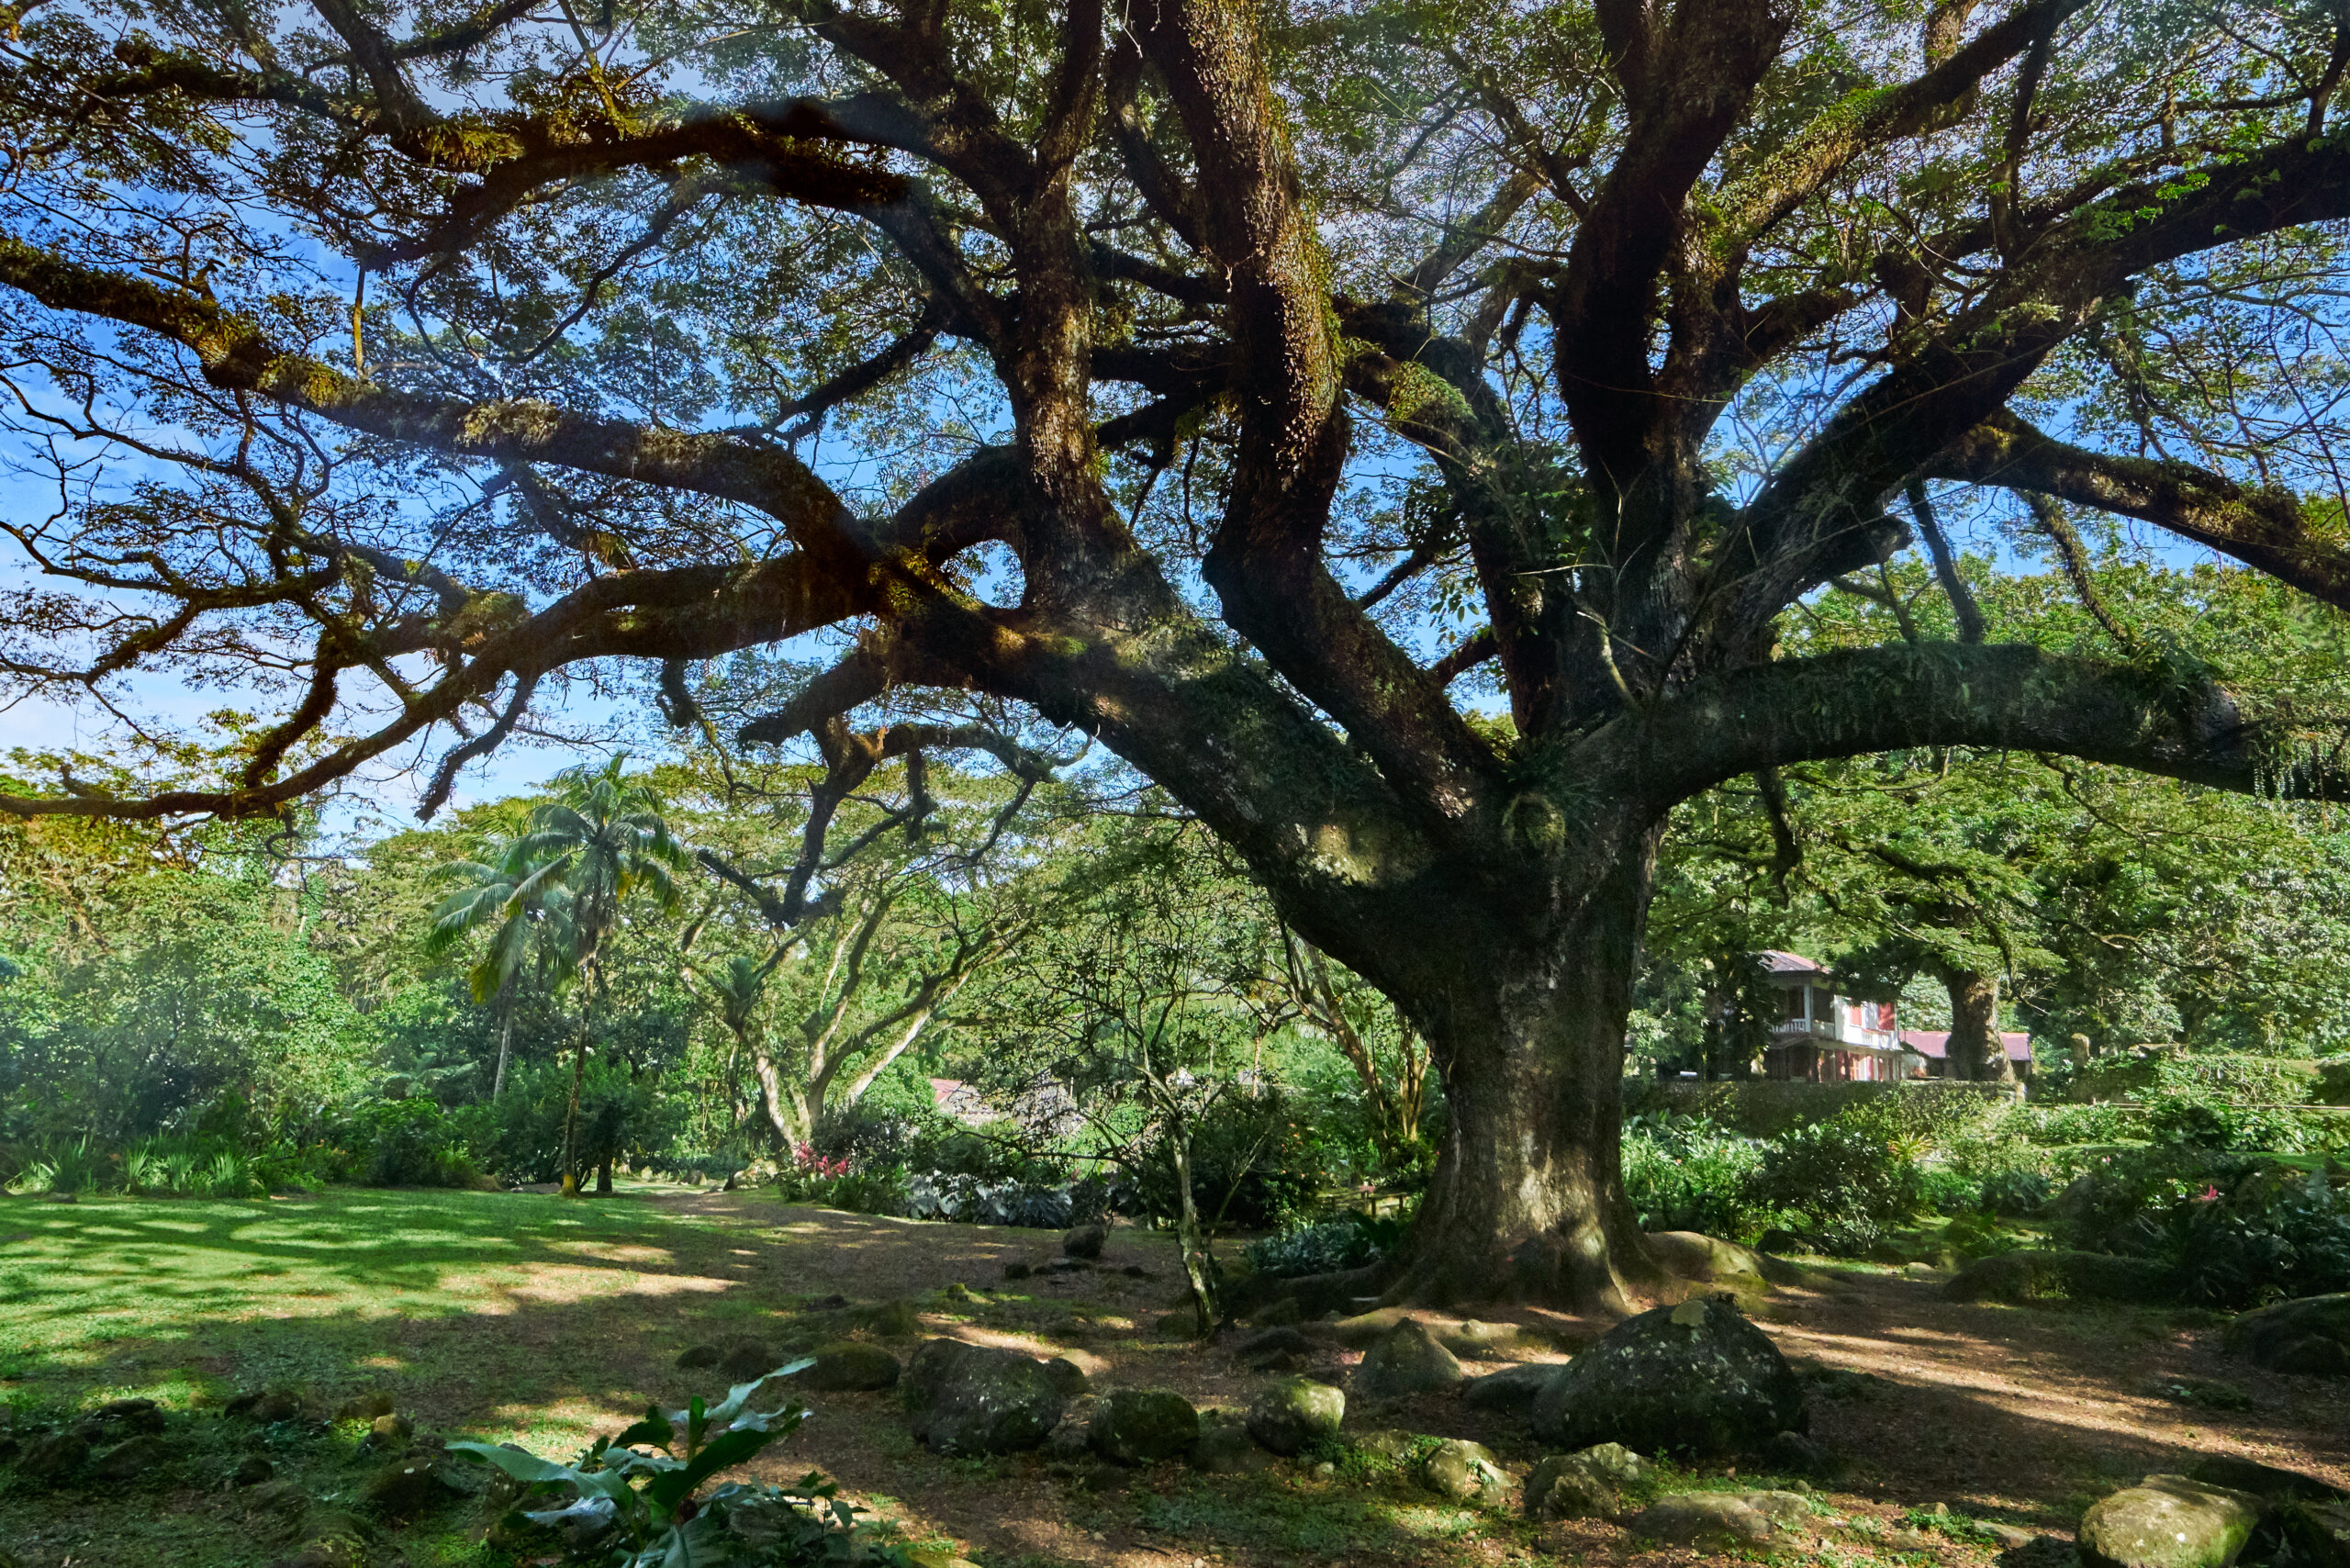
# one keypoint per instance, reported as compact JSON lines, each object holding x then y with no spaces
{"x":638,"y":1496}
{"x":1351,"y":1241}
{"x":1686,"y":1173}
{"x":1845,"y":1181}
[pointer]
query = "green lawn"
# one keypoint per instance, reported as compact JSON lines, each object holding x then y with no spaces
{"x":505,"y":1315}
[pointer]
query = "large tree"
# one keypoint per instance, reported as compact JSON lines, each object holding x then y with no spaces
{"x":1177,"y":371}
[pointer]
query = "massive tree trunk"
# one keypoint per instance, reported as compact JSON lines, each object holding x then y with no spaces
{"x":1528,"y":1200}
{"x":1976,"y":1052}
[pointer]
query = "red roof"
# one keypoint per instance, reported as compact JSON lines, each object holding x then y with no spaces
{"x":1935,"y":1043}
{"x":1778,"y":963}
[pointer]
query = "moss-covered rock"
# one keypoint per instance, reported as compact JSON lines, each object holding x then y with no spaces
{"x":2168,"y":1521}
{"x":1696,"y":1378}
{"x":1723,"y":1521}
{"x":850,"y":1366}
{"x":2310,"y":1335}
{"x":1407,"y":1360}
{"x":1145,"y":1425}
{"x":1294,"y":1412}
{"x":973,"y":1399}
{"x":1596,"y":1483}
{"x":1465,"y":1472}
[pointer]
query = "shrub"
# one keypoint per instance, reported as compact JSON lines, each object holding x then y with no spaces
{"x":404,"y":1143}
{"x":2015,"y":1192}
{"x":1684,"y":1173}
{"x":1257,"y":1162}
{"x":2279,"y":1232}
{"x":1351,"y":1242}
{"x":1848,"y":1181}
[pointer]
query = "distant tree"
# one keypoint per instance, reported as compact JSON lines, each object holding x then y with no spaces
{"x":525,"y":904}
{"x":603,"y":837}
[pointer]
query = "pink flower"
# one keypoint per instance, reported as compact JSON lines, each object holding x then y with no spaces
{"x":2207,"y":1196}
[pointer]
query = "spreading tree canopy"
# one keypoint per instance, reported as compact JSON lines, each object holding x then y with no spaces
{"x":1283,"y":394}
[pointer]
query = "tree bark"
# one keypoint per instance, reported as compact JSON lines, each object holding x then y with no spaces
{"x":1976,"y":1052}
{"x":505,"y":1036}
{"x":1528,"y":1199}
{"x":1198,"y":1268}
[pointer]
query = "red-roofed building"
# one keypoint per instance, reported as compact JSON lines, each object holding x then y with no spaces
{"x":1824,"y":1036}
{"x":1932,"y":1048}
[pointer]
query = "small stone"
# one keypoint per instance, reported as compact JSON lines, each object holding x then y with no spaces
{"x":390,"y":1432}
{"x":1465,"y":1472}
{"x":2168,"y":1521}
{"x":367,"y":1406}
{"x":131,"y":1460}
{"x":1294,"y":1412}
{"x":1085,"y":1242}
{"x":747,"y":1360}
{"x":251,"y":1471}
{"x":267,"y":1407}
{"x":850,"y":1366}
{"x":1137,"y":1271}
{"x":1406,"y":1360}
{"x":1017,"y":1271}
{"x":1144,"y":1427}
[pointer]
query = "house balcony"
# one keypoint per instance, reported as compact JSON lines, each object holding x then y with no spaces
{"x":1821,"y":1031}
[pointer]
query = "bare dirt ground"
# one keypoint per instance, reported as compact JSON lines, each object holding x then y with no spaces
{"x":519,"y":1318}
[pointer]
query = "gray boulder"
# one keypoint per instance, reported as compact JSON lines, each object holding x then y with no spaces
{"x":1145,"y":1425}
{"x":1407,"y":1360}
{"x":1085,"y":1242}
{"x":251,"y":1471}
{"x":971,"y":1399}
{"x":1465,"y":1472}
{"x":1723,"y":1521}
{"x":1294,"y":1412}
{"x":693,"y":1358}
{"x":367,"y":1406}
{"x":1511,"y":1390}
{"x":1591,"y":1485}
{"x":1068,"y":1376}
{"x":1696,"y":1378}
{"x":2168,"y":1521}
{"x":2310,"y":1335}
{"x":850,"y":1366}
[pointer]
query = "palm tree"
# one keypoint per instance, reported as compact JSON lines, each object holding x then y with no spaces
{"x":526,"y":907}
{"x":603,"y":836}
